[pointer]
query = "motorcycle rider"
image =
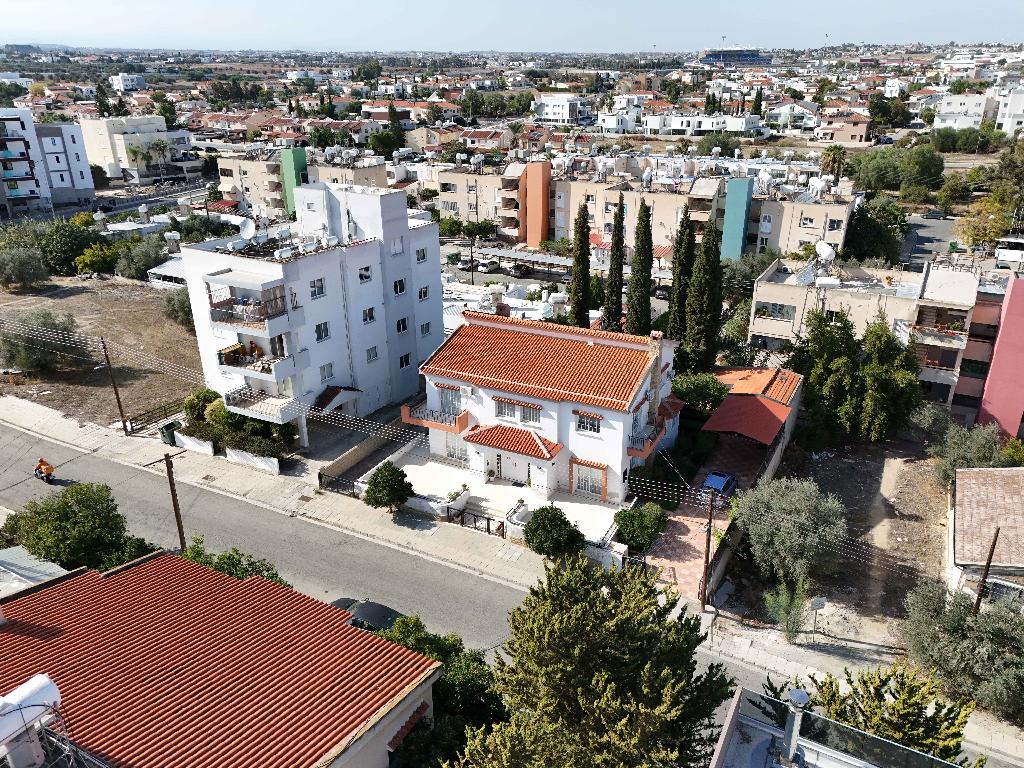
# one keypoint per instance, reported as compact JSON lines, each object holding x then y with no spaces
{"x":43,"y":468}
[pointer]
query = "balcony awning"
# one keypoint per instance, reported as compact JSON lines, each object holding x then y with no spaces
{"x":227,"y":187}
{"x":238,"y":279}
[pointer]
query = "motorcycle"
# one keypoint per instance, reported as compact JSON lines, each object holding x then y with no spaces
{"x":46,"y":477}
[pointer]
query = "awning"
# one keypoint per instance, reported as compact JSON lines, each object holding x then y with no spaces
{"x":227,"y":187}
{"x":237,"y":279}
{"x":752,"y":416}
{"x":219,"y":206}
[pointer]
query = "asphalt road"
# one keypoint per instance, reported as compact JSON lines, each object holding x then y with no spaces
{"x":926,"y":238}
{"x":319,"y":561}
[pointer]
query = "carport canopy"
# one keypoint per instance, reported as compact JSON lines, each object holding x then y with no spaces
{"x":751,"y":416}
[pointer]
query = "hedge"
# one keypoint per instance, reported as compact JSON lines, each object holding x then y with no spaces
{"x":200,"y":430}
{"x":254,"y":444}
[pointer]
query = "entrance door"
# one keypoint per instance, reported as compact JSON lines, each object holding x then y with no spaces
{"x":588,"y":480}
{"x":497,"y":463}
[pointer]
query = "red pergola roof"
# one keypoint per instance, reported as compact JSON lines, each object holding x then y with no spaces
{"x":752,"y":416}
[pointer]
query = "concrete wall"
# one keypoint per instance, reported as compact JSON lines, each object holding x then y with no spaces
{"x":356,"y":454}
{"x":1003,"y":399}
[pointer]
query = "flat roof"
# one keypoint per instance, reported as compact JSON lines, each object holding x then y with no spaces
{"x":164,"y":663}
{"x":950,"y":286}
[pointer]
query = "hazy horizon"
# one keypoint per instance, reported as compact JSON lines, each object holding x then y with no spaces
{"x":602,"y":27}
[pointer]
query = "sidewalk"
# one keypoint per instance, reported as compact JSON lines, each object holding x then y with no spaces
{"x":476,"y":553}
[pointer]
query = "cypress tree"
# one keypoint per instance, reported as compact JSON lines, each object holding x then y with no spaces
{"x":395,"y":128}
{"x":704,"y":303}
{"x":682,"y":266}
{"x":579,"y":288}
{"x":638,"y":297}
{"x":612,"y":319}
{"x":758,"y":98}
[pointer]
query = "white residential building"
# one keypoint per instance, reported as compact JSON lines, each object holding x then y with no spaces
{"x":1010,"y":116}
{"x":112,"y":143}
{"x":123,"y":82}
{"x":15,"y":78}
{"x":619,"y":121}
{"x":41,"y":165}
{"x":671,"y":123}
{"x":968,"y":110}
{"x":554,"y":407}
{"x":338,"y":310}
{"x":561,"y":109}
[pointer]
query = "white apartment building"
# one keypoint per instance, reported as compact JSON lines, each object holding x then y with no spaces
{"x":674,"y":124}
{"x":968,"y":110}
{"x":554,"y":407}
{"x":561,"y":109}
{"x":111,"y":143}
{"x":337,"y":310}
{"x":41,"y":165}
{"x":1010,"y":115}
{"x":619,"y":121}
{"x":123,"y":82}
{"x":15,"y":78}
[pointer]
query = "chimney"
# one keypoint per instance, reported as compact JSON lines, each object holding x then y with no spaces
{"x":654,"y":347}
{"x":798,"y":700}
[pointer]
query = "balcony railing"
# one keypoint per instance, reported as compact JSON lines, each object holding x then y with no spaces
{"x":444,"y":421}
{"x":234,"y":310}
{"x":940,"y":335}
{"x":643,"y":443}
{"x":235,"y":356}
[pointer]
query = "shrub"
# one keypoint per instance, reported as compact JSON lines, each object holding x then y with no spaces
{"x":978,"y":446}
{"x":178,"y":308}
{"x":21,"y":266}
{"x":62,"y":242}
{"x":137,"y":257}
{"x":388,"y":487}
{"x":254,"y":444}
{"x":39,"y":354}
{"x":550,"y":533}
{"x":195,"y":404}
{"x":639,"y":527}
{"x":788,"y":608}
{"x":98,"y":257}
{"x":217,"y":414}
{"x":914,"y":193}
{"x":201,"y":430}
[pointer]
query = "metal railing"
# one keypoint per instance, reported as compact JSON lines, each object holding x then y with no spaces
{"x":649,"y":432}
{"x":438,"y":417}
{"x":490,"y":526}
{"x":227,"y":311}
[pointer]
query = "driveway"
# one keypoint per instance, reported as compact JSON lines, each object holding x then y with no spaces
{"x":927,"y":238}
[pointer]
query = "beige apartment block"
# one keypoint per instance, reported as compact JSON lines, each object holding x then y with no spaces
{"x":787,"y":225}
{"x":705,"y":197}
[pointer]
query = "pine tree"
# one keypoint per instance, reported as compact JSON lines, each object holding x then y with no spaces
{"x":704,"y":303}
{"x":579,"y":288}
{"x":758,"y":102}
{"x":102,"y":100}
{"x":638,"y":297}
{"x":612,"y":319}
{"x":682,"y":266}
{"x":599,"y":675}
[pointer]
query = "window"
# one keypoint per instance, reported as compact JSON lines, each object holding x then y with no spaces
{"x":504,"y":410}
{"x":81,"y":174}
{"x":766,"y":218}
{"x":424,"y":293}
{"x":421,"y":255}
{"x":326,"y":371}
{"x":834,"y":225}
{"x":832,"y":315}
{"x":402,"y":325}
{"x":369,"y":315}
{"x":365,"y":274}
{"x":73,"y":139}
{"x":806,"y":221}
{"x":404,"y":361}
{"x":62,"y":177}
{"x":323,"y":331}
{"x":243,"y":173}
{"x":371,"y":354}
{"x":309,"y":206}
{"x":316,"y":288}
{"x":591,"y":199}
{"x":586,"y":423}
{"x":447,"y":187}
{"x":424,"y":329}
{"x":451,"y":400}
{"x":78,"y":158}
{"x":455,"y":447}
{"x":531,"y":415}
{"x":397,"y":246}
{"x":775,"y":311}
{"x":450,"y":207}
{"x":399,"y":287}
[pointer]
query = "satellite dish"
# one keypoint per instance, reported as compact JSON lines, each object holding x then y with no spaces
{"x":247,"y":229}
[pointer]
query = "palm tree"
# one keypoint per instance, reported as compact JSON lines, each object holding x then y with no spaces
{"x":139,"y":156}
{"x":516,"y":128}
{"x":833,"y":161}
{"x":161,"y":149}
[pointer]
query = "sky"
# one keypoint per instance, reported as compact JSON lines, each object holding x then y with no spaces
{"x":504,"y":25}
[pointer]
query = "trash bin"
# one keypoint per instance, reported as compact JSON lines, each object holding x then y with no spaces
{"x":167,"y":431}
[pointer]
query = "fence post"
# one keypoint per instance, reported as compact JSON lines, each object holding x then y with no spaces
{"x":488,"y":525}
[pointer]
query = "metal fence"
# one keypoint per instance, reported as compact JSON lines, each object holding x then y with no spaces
{"x":467,"y":519}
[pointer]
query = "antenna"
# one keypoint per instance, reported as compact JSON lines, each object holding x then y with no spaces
{"x":247,"y":229}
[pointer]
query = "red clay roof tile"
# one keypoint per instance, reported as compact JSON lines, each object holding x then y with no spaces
{"x":167,"y":663}
{"x":514,"y":440}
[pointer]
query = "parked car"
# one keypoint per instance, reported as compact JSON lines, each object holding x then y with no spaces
{"x":934,"y":213}
{"x":720,"y":482}
{"x":368,"y":615}
{"x":661,"y":292}
{"x":564,"y":277}
{"x":488,"y":265}
{"x":520,"y":270}
{"x":465,"y":264}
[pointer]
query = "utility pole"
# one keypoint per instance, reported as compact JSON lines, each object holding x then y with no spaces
{"x":707,"y":550}
{"x":984,"y":573}
{"x":113,"y":384}
{"x":174,"y":500}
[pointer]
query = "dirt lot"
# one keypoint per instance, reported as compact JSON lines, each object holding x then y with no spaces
{"x":123,"y":311}
{"x":896,"y":517}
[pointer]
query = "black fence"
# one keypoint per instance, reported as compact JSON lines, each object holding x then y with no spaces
{"x":467,"y":519}
{"x":153,"y":416}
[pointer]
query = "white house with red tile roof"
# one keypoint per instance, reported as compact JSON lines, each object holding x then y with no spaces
{"x":558,"y":408}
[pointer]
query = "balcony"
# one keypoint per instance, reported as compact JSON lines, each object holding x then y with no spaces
{"x":261,"y":405}
{"x":21,"y":193}
{"x":25,"y":175}
{"x":236,"y":360}
{"x":947,"y":337}
{"x":262,"y":317}
{"x":643,"y":444}
{"x":443,"y":421}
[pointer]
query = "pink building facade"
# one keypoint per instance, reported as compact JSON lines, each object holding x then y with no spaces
{"x":1002,"y":401}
